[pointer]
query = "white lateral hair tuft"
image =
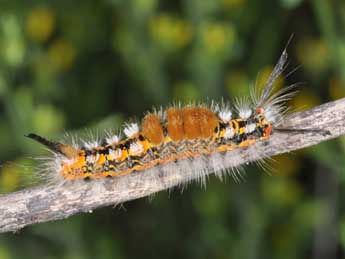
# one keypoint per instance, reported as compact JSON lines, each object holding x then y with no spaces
{"x":243,"y":107}
{"x":131,"y":129}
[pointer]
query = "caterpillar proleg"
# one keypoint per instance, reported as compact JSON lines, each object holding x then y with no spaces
{"x":192,"y":137}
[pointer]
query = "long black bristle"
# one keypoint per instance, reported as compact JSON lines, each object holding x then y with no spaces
{"x":292,"y":130}
{"x":51,"y":145}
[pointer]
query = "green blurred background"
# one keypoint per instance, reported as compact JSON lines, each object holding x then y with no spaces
{"x":76,"y":65}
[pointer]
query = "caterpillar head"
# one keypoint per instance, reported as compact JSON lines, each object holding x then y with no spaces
{"x":262,"y":121}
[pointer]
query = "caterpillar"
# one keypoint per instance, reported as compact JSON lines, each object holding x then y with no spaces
{"x":177,"y":133}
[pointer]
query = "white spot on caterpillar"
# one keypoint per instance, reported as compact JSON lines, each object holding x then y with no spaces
{"x":225,"y":115}
{"x":131,"y":129}
{"x":250,"y":128}
{"x":229,"y":132}
{"x":136,"y":148}
{"x":91,"y":145}
{"x":245,"y":112}
{"x":243,"y":107}
{"x":112,"y":139}
{"x":115,"y":154}
{"x":92,"y":158}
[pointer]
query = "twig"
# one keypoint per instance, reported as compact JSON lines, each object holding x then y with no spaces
{"x":47,"y":203}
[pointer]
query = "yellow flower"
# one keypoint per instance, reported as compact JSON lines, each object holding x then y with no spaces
{"x":40,"y":24}
{"x":217,"y":37}
{"x":48,"y":119}
{"x":10,"y":178}
{"x":170,"y":32}
{"x":61,"y":54}
{"x":336,"y":88}
{"x":314,"y":55}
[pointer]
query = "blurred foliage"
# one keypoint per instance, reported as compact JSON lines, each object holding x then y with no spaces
{"x":76,"y":65}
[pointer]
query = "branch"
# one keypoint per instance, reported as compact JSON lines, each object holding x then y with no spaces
{"x":47,"y":203}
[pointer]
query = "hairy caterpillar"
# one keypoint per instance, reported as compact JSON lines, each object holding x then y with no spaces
{"x":177,"y":135}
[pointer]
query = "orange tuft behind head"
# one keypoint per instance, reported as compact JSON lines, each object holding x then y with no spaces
{"x":191,"y":122}
{"x":174,"y":119}
{"x":152,"y":129}
{"x":208,"y":121}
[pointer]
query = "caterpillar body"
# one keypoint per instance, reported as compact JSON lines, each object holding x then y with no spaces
{"x":178,"y":133}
